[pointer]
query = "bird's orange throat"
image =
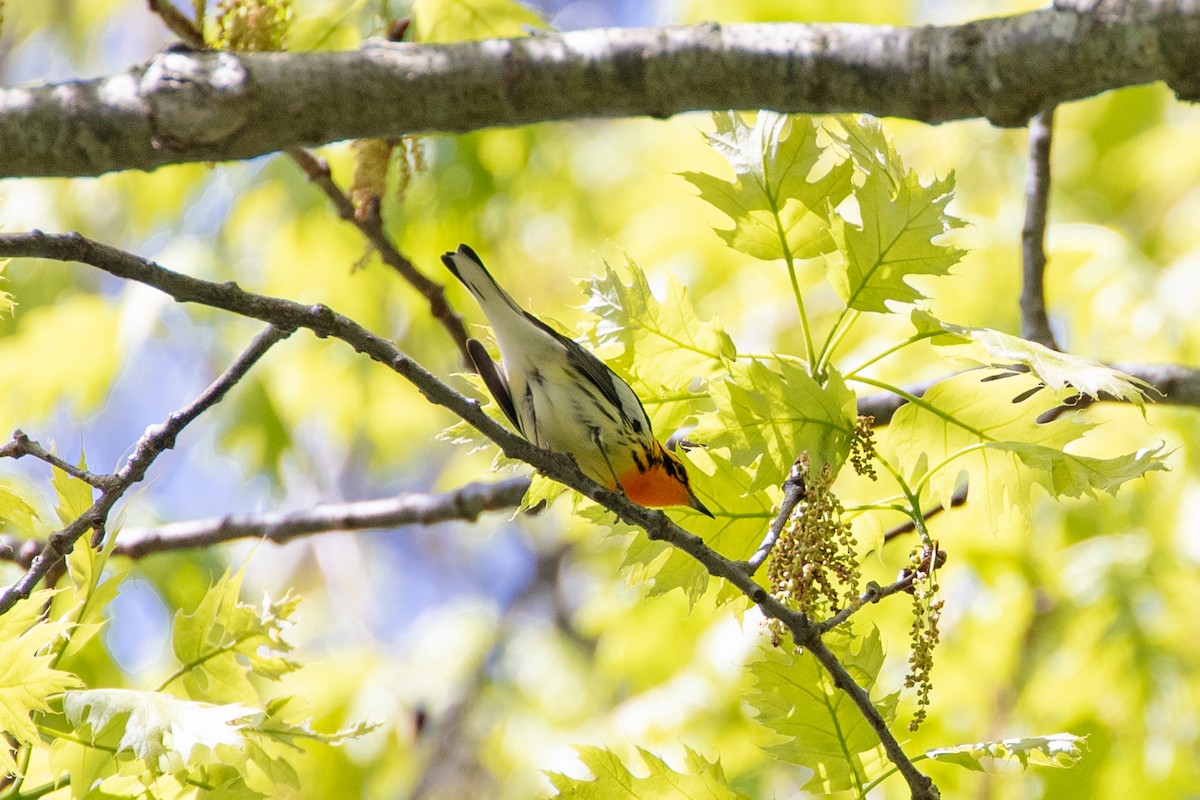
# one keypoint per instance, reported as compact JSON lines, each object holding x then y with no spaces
{"x":654,"y":488}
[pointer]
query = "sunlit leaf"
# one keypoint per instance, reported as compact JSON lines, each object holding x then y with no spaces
{"x":1057,"y":370}
{"x":224,"y":641}
{"x":776,"y":210}
{"x":899,"y":218}
{"x":767,"y":417}
{"x":665,"y":346}
{"x":28,"y":677}
{"x":985,"y":422}
{"x":153,"y":724}
{"x":611,"y":779}
{"x":1062,"y":750}
{"x":74,"y":495}
{"x":795,"y":697}
{"x":16,"y":510}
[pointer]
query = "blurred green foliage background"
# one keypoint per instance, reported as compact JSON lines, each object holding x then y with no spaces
{"x":522,"y":637}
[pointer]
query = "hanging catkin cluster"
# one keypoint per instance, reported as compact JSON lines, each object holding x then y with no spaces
{"x":927,"y":611}
{"x":814,"y":566}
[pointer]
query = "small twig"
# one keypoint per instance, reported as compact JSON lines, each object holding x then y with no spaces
{"x":794,"y":491}
{"x":466,"y":503}
{"x":874,"y":593}
{"x":1035,"y":325}
{"x":156,"y":440}
{"x":21,"y":445}
{"x":957,"y":499}
{"x":189,"y":32}
{"x":370,"y":224}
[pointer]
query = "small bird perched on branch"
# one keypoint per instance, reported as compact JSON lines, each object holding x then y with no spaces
{"x":563,"y":398}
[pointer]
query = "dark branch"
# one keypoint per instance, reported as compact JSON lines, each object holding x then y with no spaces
{"x":794,"y":490}
{"x":21,"y":445}
{"x":156,"y":440}
{"x":1035,"y":325}
{"x":371,"y":226}
{"x":205,"y":106}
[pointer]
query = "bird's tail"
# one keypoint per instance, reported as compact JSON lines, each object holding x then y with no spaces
{"x":468,"y":268}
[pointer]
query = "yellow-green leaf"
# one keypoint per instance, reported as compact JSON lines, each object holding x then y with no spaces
{"x":767,"y":417}
{"x":612,"y":780}
{"x":777,"y":212}
{"x":1060,"y":750}
{"x":899,"y":217}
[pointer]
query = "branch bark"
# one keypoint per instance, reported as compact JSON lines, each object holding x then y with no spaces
{"x":1035,"y":325}
{"x":216,"y":106}
{"x":466,"y":503}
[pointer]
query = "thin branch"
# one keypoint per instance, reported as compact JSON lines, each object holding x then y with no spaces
{"x":189,"y":32}
{"x":794,"y":491}
{"x":21,"y":445}
{"x":465,"y":503}
{"x":188,"y":107}
{"x":371,"y":226}
{"x":562,"y":468}
{"x":920,"y":785}
{"x":156,"y":440}
{"x":1035,"y":325}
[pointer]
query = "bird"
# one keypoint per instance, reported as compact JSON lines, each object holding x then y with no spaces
{"x":561,"y":397}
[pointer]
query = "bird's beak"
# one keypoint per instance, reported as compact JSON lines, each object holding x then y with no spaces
{"x":695,"y":503}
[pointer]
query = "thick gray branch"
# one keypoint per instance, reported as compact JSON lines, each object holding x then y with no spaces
{"x":186,"y":106}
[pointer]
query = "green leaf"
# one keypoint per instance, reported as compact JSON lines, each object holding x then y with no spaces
{"x":1059,"y":371}
{"x":28,"y":677}
{"x":153,"y":724}
{"x":87,"y":599}
{"x":899,"y":219}
{"x":224,"y":641}
{"x":612,"y":779}
{"x":7,"y":302}
{"x":75,"y":496}
{"x":1062,"y":750}
{"x":15,"y":509}
{"x":665,"y":347}
{"x":825,"y":731}
{"x":977,"y":423}
{"x":767,"y":418}
{"x":463,"y":20}
{"x":1068,"y":475}
{"x":776,"y":211}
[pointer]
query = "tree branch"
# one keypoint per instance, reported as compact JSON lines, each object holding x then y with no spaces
{"x":1176,"y":384}
{"x":465,"y":503}
{"x":156,"y":440}
{"x":21,"y":445}
{"x":1035,"y":325}
{"x":794,"y":490}
{"x":205,"y":106}
{"x":371,"y":226}
{"x":324,"y":322}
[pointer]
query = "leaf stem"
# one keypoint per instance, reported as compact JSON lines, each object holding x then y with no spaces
{"x":916,"y":337}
